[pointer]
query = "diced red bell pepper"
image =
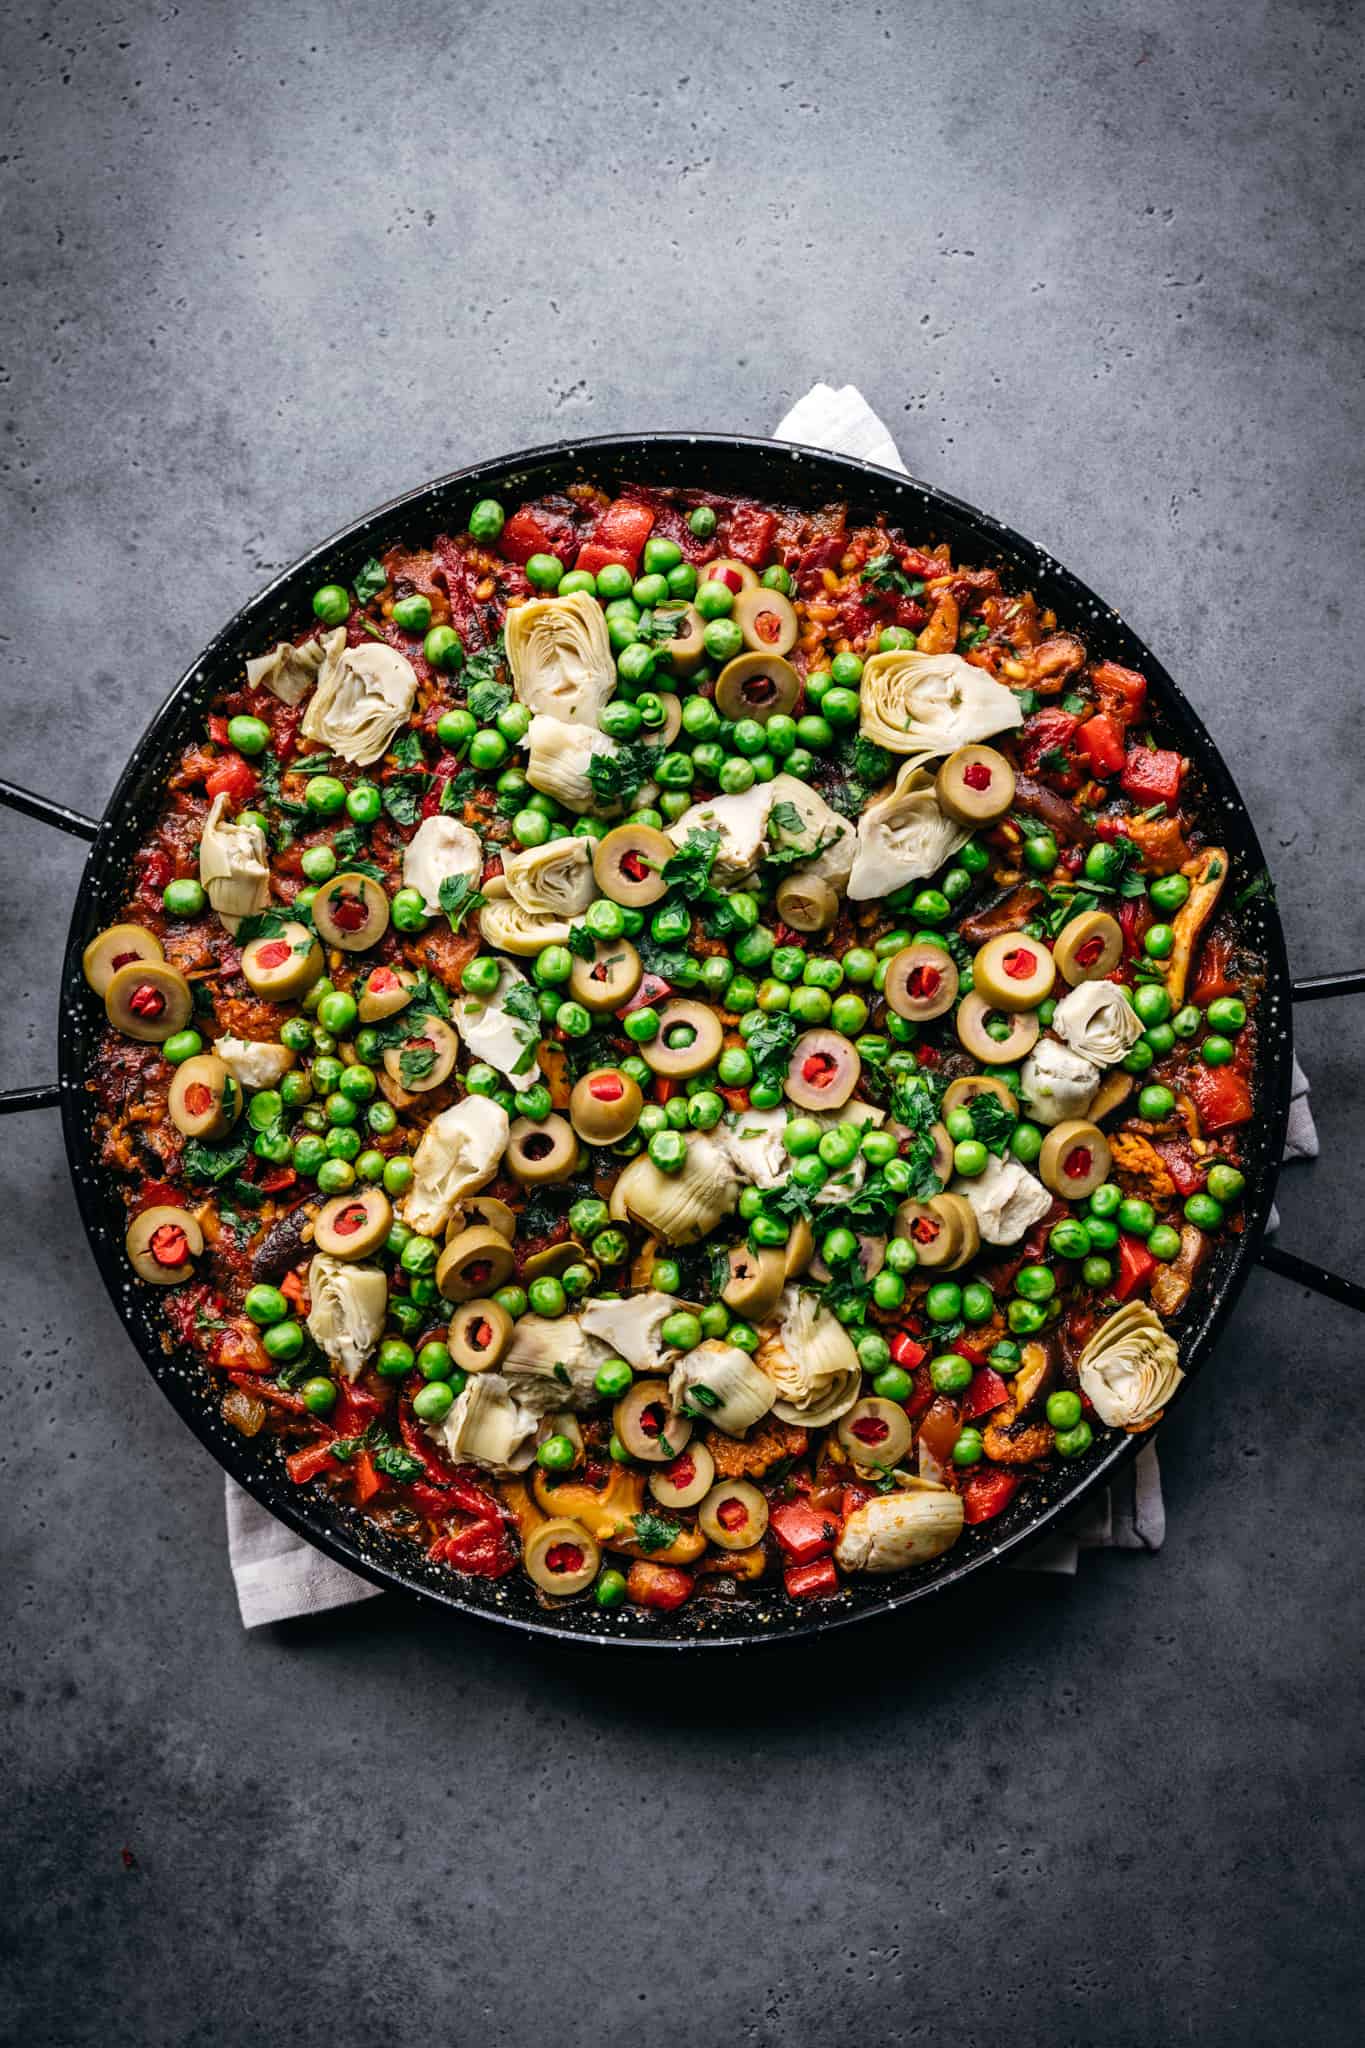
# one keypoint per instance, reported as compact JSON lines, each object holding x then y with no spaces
{"x":665,"y":1088}
{"x":1181,"y":1164}
{"x":987,"y":1494}
{"x":218,"y":731}
{"x":653,"y":989}
{"x":987,"y":1391}
{"x":1221,"y":1096}
{"x":233,"y":778}
{"x":908,"y":1351}
{"x":657,"y":1585}
{"x":811,"y":1581}
{"x":530,"y":533}
{"x":305,"y":1465}
{"x":1151,"y":775}
{"x":751,"y":533}
{"x":1212,"y":978}
{"x":921,"y":1394}
{"x":593,"y":556}
{"x":736,"y":1099}
{"x":1122,"y":691}
{"x":446,"y":769}
{"x":1101,"y":741}
{"x":481,"y":1548}
{"x":855,"y":1497}
{"x":276,"y":1178}
{"x":1136,"y":1267}
{"x":802,"y":1531}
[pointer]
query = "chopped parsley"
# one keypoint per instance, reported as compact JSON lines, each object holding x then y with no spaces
{"x":689,"y":870}
{"x":402,"y":797}
{"x":209,"y":1164}
{"x":407,"y":749}
{"x":991,"y":1122}
{"x":616,"y":776}
{"x":654,"y":1531}
{"x":487,"y":698}
{"x":884,"y":573}
{"x":459,"y":897}
{"x":770,"y":1048}
{"x":370,"y":581}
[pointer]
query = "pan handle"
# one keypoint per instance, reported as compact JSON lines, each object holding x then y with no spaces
{"x":78,"y":826}
{"x":1288,"y":1264}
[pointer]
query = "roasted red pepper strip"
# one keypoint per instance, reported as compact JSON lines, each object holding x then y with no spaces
{"x":802,"y":1531}
{"x":305,"y":1465}
{"x":529,"y":532}
{"x":987,"y":1494}
{"x":987,"y":1391}
{"x":657,"y":1585}
{"x":1221,"y":1096}
{"x":1136,"y":1267}
{"x":1101,"y":741}
{"x":1151,"y":775}
{"x":232,"y":778}
{"x":811,"y":1581}
{"x":481,"y":1548}
{"x":750,"y":535}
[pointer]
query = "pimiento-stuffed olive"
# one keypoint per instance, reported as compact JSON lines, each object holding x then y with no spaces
{"x":352,"y":912}
{"x":480,"y":1332}
{"x":204,"y":1100}
{"x":163,"y":1244}
{"x":686,"y":1481}
{"x":149,"y":1000}
{"x":474,"y":1264}
{"x":731,"y":575}
{"x":767,"y":619}
{"x":1014,"y":1042}
{"x":734,"y":1515}
{"x":875,"y":1432}
{"x":756,"y":1281}
{"x":561,"y":1557}
{"x":609,"y":979}
{"x":604,"y":1106}
{"x":384,"y":992}
{"x":975,"y":785}
{"x":825,"y":1069}
{"x":647,"y":1426}
{"x":757,"y":686}
{"x":354,"y":1225}
{"x":1088,"y":947}
{"x":1074,"y":1159}
{"x":1014,"y":972}
{"x":960,"y":1094}
{"x":689,"y":1040}
{"x":283,"y":964}
{"x":426,"y":1059}
{"x":538,"y":1153}
{"x":628,"y":864}
{"x":921,"y":983}
{"x":120,"y":945}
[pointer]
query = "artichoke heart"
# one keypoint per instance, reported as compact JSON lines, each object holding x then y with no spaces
{"x":633,"y":1327}
{"x":504,"y":1030}
{"x":558,"y":761}
{"x":234,"y":866}
{"x":347,"y":1311}
{"x":1130,"y":1368}
{"x":505,"y":925}
{"x":810,"y":1358}
{"x":363,"y":695}
{"x":903,"y":837}
{"x":560,"y":656}
{"x":741,"y":821}
{"x":459,"y":1153}
{"x":487,"y":1427}
{"x":440,"y":849}
{"x":932,"y":704}
{"x":799,"y":817}
{"x":753,"y":1143}
{"x":900,"y":1529}
{"x":1057,"y":1083}
{"x":554,"y":880}
{"x":255,"y":1062}
{"x":679,"y":1207}
{"x":1097,"y":1021}
{"x":289,"y":673}
{"x":552,"y":1362}
{"x":720,"y":1384}
{"x":1005,"y":1200}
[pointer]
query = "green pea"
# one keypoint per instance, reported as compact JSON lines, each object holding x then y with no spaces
{"x":249,"y":735}
{"x":512,"y":1300}
{"x":573,"y":1020}
{"x":544,"y":572}
{"x":1164,"y":1242}
{"x":893,"y":1382}
{"x":434,"y":1401}
{"x":800,"y":762}
{"x":1069,"y":1239}
{"x":840,"y":707}
{"x":888,"y":1289}
{"x":957,"y":883}
{"x":1025,"y":1318}
{"x":1227,"y":1013}
{"x":319,"y":1396}
{"x":184,"y":897}
{"x":682,"y":581}
{"x":1155,"y":1104}
{"x":556,"y":1454}
{"x":444,"y":649}
{"x":815,"y":731}
{"x":838,"y":1246}
{"x":1151,"y":1002}
{"x":1158,"y":941}
{"x":1161,"y":1039}
{"x":1186,"y":1022}
{"x":1226,"y":1184}
{"x":487,"y":749}
{"x":978,"y":1303}
{"x":1040,"y":853}
{"x":546,"y":1296}
{"x":181,"y":1046}
{"x":1006,"y":1357}
{"x":486,"y":520}
{"x":949,"y":1374}
{"x":337,"y":1012}
{"x":1204,"y":1212}
{"x":969,"y":1448}
{"x":715,"y":601}
{"x":901,"y":1255}
{"x":811,"y":1005}
{"x":404,"y":1311}
{"x":513,"y":722}
{"x":878,"y":1148}
{"x":610,"y":1590}
{"x":310,"y":1155}
{"x":1136,"y":1217}
{"x":839,"y":1146}
{"x":266,"y":1305}
{"x":481,"y":975}
{"x":325,"y":796}
{"x":1096,"y":1272}
{"x":369,"y":1166}
{"x":970,"y":1158}
{"x":975,"y":859}
{"x":1064,"y":1408}
{"x":1217,"y":1051}
{"x":668,"y":1150}
{"x":1070,"y":1443}
{"x":1168,"y":892}
{"x":398,"y":1175}
{"x":332,"y":604}
{"x":1105,"y":1199}
{"x":701,"y":520}
{"x":893,"y":639}
{"x":412,"y":614}
{"x":943,"y":1302}
{"x":1102,"y":862}
{"x":931,"y":906}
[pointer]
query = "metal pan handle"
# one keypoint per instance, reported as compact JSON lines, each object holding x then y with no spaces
{"x":1288,"y":1264}
{"x":78,"y":826}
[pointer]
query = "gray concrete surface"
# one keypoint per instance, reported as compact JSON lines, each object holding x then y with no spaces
{"x":1098,"y":266}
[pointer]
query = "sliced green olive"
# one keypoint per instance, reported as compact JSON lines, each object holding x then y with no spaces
{"x":283,"y":966}
{"x":825,"y":1069}
{"x":807,"y":903}
{"x":204,"y":1100}
{"x":541,"y":1152}
{"x":767,"y":620}
{"x":935,"y":1232}
{"x":960,"y":1215}
{"x":647,"y":1425}
{"x":686,"y":648}
{"x":163,"y":1244}
{"x":756,"y":1280}
{"x":799,"y":1248}
{"x":556,"y":1259}
{"x":662,"y":736}
{"x":474,"y":1264}
{"x":943,"y":1150}
{"x":352,"y":1226}
{"x":627,"y":864}
{"x":485,"y":1209}
{"x":148,"y":1000}
{"x":605,"y":1105}
{"x":757,"y":686}
{"x":876,"y":1432}
{"x":734,"y":1515}
{"x":352,"y":912}
{"x":1007,"y":1051}
{"x":480,"y":1333}
{"x":1087,"y":947}
{"x":384,"y":992}
{"x":1074,"y":1160}
{"x":1014,"y":972}
{"x":960,"y":1094}
{"x":735,"y":575}
{"x":119,"y":945}
{"x":686,"y":1481}
{"x":688,"y":1041}
{"x":561,"y":1557}
{"x":975,"y":785}
{"x":425,"y":1060}
{"x":609,"y":979}
{"x":921,"y":982}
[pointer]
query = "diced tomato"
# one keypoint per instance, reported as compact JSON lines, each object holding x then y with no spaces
{"x":592,"y":556}
{"x":1151,"y":775}
{"x":987,"y":1391}
{"x":233,"y":778}
{"x":802,"y":1531}
{"x":529,"y":533}
{"x":751,"y":533}
{"x":1181,"y":1164}
{"x":1221,"y":1096}
{"x":305,"y":1465}
{"x":1101,"y":741}
{"x":1049,"y":733}
{"x":446,"y":769}
{"x":1136,"y":1267}
{"x":907,"y":1351}
{"x":986,"y":1494}
{"x":294,"y":1288}
{"x":1212,"y":977}
{"x":218,"y":731}
{"x":1122,"y":691}
{"x":811,"y":1581}
{"x":625,"y":525}
{"x":275,"y":1178}
{"x":657,"y":1585}
{"x":482,"y":1549}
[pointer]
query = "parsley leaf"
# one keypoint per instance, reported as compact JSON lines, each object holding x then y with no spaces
{"x":454,"y":792}
{"x":396,"y":1463}
{"x":415,"y":1062}
{"x":407,"y":749}
{"x":459,"y":897}
{"x":884,"y":573}
{"x":654,"y":1531}
{"x":690,"y":868}
{"x":487,"y":665}
{"x":1259,"y":885}
{"x":581,"y":942}
{"x":991,"y":1122}
{"x":269,"y":924}
{"x":770,"y":1048}
{"x":487,"y":698}
{"x":1055,"y":761}
{"x":208,"y":1164}
{"x":848,"y":1298}
{"x":370,"y":581}
{"x":616,"y":776}
{"x":403,"y":799}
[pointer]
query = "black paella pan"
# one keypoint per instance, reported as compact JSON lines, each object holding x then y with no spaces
{"x":782,"y":474}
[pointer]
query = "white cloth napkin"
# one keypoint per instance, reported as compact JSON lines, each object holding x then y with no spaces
{"x":278,"y":1575}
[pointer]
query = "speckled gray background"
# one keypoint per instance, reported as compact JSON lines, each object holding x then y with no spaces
{"x":1098,"y":267}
